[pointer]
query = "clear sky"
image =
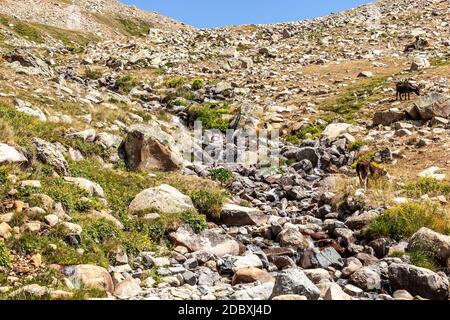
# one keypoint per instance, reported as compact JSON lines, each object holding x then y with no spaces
{"x":216,"y":13}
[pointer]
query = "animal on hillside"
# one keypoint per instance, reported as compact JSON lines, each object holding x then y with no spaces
{"x":405,"y":88}
{"x":418,"y":44}
{"x":366,"y":169}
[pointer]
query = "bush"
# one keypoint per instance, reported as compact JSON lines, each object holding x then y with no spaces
{"x":211,"y":116}
{"x":310,"y":132}
{"x":174,"y":83}
{"x":196,"y":221}
{"x":5,"y":260}
{"x":426,"y":185}
{"x":357,"y":144}
{"x":208,"y":203}
{"x":422,"y":259}
{"x":197,"y":84}
{"x":405,"y":219}
{"x":125,"y":83}
{"x":221,"y":174}
{"x":93,"y":74}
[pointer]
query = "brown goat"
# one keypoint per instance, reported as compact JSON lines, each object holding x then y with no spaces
{"x":364,"y":169}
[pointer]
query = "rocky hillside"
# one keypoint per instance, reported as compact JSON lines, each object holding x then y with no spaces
{"x":98,"y":103}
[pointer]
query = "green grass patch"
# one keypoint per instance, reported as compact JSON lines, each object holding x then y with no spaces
{"x":93,"y":73}
{"x":309,"y":132}
{"x":209,"y":202}
{"x":5,"y":259}
{"x":197,"y":84}
{"x":125,"y":83}
{"x":426,"y":185}
{"x":174,"y":83}
{"x":405,"y":219}
{"x":355,"y":97}
{"x":212,"y":116}
{"x":357,"y":144}
{"x":134,"y":27}
{"x":221,"y":174}
{"x":423,"y":259}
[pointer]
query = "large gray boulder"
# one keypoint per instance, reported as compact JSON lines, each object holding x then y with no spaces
{"x":432,"y":242}
{"x":149,"y":147}
{"x":431,"y":106}
{"x":163,"y":198}
{"x":49,"y":154}
{"x":212,"y":241}
{"x":294,"y":281}
{"x":9,"y":154}
{"x":234,"y":215}
{"x":418,"y":281}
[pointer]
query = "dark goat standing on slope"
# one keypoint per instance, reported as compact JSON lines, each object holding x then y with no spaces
{"x":405,"y":89}
{"x":364,"y":169}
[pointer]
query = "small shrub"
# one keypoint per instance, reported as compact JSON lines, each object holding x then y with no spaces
{"x":357,"y":144}
{"x":211,"y":117}
{"x":5,"y":259}
{"x":221,"y":174}
{"x":196,"y":221}
{"x":125,"y":83}
{"x":426,"y":185}
{"x":174,"y":83}
{"x":208,"y":203}
{"x":405,"y":219}
{"x":310,"y":132}
{"x":423,"y":259}
{"x":197,"y":84}
{"x":93,"y":74}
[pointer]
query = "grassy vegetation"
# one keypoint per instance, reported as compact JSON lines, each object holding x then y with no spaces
{"x":426,"y":185}
{"x":93,"y":73}
{"x":125,"y":83}
{"x":405,"y":219}
{"x":197,"y":84}
{"x":174,"y":82}
{"x":309,"y":132}
{"x":24,"y":127}
{"x":423,"y":259}
{"x":355,"y":97}
{"x":212,"y":116}
{"x":75,"y":41}
{"x":134,"y":27}
{"x":221,"y":174}
{"x":209,"y":202}
{"x":5,"y":259}
{"x":357,"y":144}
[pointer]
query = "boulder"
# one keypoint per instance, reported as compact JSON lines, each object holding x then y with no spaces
{"x":251,"y":274}
{"x":49,"y":154}
{"x":127,"y":288}
{"x":9,"y":154}
{"x":234,"y":215}
{"x":291,"y":237}
{"x":419,"y":63}
{"x":163,"y":198}
{"x":92,"y":188}
{"x":89,"y":277}
{"x":386,"y":118}
{"x":335,"y":130}
{"x":418,"y":281}
{"x":212,"y":241}
{"x":149,"y":147}
{"x":431,"y":106}
{"x":335,"y":292}
{"x":438,"y":245}
{"x":366,"y":279}
{"x":261,"y":292}
{"x":29,"y":60}
{"x":294,"y":281}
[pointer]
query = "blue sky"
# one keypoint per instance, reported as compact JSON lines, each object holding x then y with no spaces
{"x":216,"y":13}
